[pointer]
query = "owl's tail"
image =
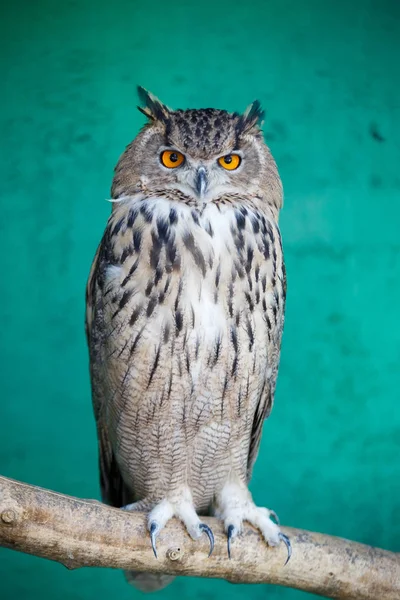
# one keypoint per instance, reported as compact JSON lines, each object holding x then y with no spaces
{"x":148,"y":582}
{"x":116,"y":493}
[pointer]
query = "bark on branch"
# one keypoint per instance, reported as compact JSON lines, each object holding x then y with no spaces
{"x":85,"y":533}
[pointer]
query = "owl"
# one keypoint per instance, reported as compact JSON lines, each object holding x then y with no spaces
{"x":185,"y":311}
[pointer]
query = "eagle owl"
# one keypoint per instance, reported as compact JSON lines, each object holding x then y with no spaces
{"x":185,"y":311}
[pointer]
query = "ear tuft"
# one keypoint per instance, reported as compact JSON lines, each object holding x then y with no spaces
{"x":153,"y":108}
{"x":253,"y":116}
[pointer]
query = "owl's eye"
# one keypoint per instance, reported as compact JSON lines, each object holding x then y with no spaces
{"x":230,"y":161}
{"x":172,"y":158}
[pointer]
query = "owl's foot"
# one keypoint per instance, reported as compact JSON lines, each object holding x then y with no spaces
{"x":180,"y":505}
{"x":235,"y":505}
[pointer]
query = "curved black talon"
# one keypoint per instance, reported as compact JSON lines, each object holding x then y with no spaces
{"x":288,"y":545}
{"x":273,"y":514}
{"x":205,"y":528}
{"x":231,"y":529}
{"x":153,"y":536}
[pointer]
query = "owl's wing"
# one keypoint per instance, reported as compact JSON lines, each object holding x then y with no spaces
{"x":263,"y":411}
{"x":266,"y":400}
{"x":113,"y":490}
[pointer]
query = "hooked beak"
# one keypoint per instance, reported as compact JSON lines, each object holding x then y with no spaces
{"x":201,"y":181}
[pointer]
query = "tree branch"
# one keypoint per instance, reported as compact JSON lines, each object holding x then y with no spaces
{"x":86,"y":533}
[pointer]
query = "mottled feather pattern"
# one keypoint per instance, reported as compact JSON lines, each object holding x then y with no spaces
{"x":186,"y":309}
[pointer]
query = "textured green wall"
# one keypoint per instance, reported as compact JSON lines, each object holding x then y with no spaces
{"x":326,"y":73}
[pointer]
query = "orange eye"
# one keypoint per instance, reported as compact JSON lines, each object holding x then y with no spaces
{"x":172,"y":159}
{"x":230,"y":161}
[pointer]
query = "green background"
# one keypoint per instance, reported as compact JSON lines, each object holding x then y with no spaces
{"x":326,"y":73}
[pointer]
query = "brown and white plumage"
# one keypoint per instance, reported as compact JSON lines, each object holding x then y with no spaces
{"x":185,"y":311}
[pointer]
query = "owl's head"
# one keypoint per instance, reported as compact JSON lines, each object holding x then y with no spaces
{"x":203,"y":154}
